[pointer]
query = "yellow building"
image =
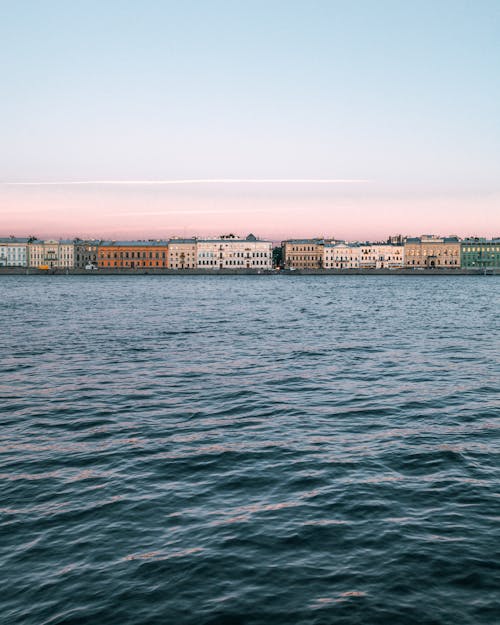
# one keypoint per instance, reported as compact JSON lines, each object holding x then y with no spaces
{"x":303,"y":253}
{"x":432,"y":252}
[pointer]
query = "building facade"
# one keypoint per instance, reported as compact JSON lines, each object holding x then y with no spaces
{"x":341,"y":256}
{"x":381,"y":256}
{"x":303,"y":253}
{"x":480,"y":253}
{"x":429,"y":252}
{"x":132,"y":255}
{"x":13,"y":252}
{"x":86,"y":253}
{"x":182,"y":254}
{"x":51,"y":254}
{"x":234,"y":253}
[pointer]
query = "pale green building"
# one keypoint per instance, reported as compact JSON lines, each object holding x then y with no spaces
{"x":479,"y":253}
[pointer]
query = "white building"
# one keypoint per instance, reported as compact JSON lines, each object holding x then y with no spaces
{"x":381,"y":256}
{"x":13,"y":252}
{"x":182,"y":254}
{"x":52,"y":254}
{"x":341,"y":256}
{"x":233,"y":253}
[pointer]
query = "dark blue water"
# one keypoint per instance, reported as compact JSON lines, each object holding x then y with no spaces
{"x":249,"y":450}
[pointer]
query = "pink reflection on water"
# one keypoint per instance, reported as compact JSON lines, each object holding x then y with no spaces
{"x":163,"y":555}
{"x":341,"y":597}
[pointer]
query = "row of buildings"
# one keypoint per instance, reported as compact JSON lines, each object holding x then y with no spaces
{"x":231,"y":252}
{"x":425,"y":252}
{"x":228,"y":252}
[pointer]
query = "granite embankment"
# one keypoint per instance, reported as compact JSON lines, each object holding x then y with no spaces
{"x":5,"y":271}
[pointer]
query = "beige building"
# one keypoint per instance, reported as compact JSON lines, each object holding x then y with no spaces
{"x":182,"y":254}
{"x":381,"y":256}
{"x":234,"y":253}
{"x":51,"y":254}
{"x":303,"y":253}
{"x":341,"y":256}
{"x":430,"y":252}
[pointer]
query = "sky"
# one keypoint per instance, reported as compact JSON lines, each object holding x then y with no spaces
{"x":350,"y":119}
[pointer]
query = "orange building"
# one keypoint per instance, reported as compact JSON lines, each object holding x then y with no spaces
{"x":133,"y":254}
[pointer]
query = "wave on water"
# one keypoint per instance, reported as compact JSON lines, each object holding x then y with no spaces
{"x":249,"y":450}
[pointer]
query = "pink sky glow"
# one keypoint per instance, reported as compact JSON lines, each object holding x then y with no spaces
{"x":277,"y":209}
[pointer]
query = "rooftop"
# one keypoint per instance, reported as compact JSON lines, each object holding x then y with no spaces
{"x":247,"y":240}
{"x":13,"y":240}
{"x":304,"y":241}
{"x":133,"y":243}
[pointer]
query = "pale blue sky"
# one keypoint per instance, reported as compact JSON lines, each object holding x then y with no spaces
{"x":404,"y":94}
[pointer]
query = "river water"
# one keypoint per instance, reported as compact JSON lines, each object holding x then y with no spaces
{"x":249,"y":450}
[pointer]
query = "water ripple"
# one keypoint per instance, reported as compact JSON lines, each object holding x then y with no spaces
{"x":250,"y":450}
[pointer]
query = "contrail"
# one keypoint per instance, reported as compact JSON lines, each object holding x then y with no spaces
{"x":192,"y":181}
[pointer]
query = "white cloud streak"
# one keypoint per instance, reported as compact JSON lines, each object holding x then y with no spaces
{"x":189,"y":181}
{"x":166,"y":213}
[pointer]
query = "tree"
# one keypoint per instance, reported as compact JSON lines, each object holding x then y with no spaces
{"x":277,"y":256}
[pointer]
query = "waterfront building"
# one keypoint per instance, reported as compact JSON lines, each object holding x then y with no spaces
{"x":13,"y":252}
{"x":51,"y":254}
{"x":477,"y":253}
{"x":182,"y":254}
{"x":341,"y":256}
{"x":85,"y":253}
{"x":303,"y":253}
{"x":432,"y":252}
{"x":381,"y":256}
{"x":396,"y":239}
{"x":234,"y":253}
{"x":132,"y":254}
